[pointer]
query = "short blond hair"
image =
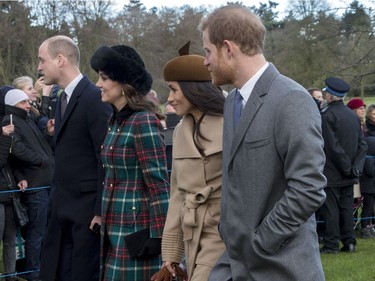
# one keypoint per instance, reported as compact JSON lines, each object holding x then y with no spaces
{"x":20,"y":82}
{"x":64,"y":45}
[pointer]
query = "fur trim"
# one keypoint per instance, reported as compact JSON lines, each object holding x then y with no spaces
{"x":122,"y":64}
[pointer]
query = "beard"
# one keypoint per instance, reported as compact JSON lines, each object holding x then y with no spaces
{"x":222,"y":76}
{"x":222,"y":73}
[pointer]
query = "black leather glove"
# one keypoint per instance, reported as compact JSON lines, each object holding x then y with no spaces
{"x":355,"y":173}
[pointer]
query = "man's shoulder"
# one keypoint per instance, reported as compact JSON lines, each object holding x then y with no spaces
{"x":289,"y":84}
{"x":90,"y":88}
{"x":87,"y":88}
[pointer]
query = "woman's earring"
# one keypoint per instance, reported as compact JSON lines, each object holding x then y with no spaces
{"x":122,"y":92}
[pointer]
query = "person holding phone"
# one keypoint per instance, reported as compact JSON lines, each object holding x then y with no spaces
{"x":10,"y":178}
{"x":32,"y":155}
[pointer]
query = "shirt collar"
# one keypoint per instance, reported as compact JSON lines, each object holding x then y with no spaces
{"x":250,"y":84}
{"x":70,"y":88}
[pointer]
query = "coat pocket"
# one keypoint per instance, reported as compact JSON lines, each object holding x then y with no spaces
{"x":88,"y":186}
{"x":212,"y":216}
{"x":252,"y":143}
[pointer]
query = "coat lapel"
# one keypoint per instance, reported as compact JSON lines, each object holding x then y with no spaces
{"x":252,"y":106}
{"x":78,"y":90}
{"x":183,"y":134}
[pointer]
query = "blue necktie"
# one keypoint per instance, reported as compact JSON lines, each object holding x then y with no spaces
{"x":237,"y":108}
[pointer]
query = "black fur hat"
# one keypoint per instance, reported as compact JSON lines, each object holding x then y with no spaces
{"x":122,"y":64}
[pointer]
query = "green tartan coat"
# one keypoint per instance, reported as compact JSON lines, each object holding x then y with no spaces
{"x":136,"y":192}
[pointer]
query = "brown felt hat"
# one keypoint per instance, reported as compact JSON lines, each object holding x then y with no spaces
{"x":186,"y":67}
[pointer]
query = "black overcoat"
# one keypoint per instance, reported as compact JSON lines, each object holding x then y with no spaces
{"x":78,"y":182}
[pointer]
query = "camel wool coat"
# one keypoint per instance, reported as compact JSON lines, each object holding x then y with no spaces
{"x":194,"y":208}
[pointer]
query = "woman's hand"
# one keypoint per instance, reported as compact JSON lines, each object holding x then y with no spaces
{"x":22,"y":185}
{"x":164,"y":273}
{"x":38,"y":85}
{"x":8,"y":130}
{"x":169,"y":266}
{"x":51,"y":127}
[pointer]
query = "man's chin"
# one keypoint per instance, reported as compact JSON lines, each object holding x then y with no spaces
{"x":49,"y":82}
{"x":217,"y":82}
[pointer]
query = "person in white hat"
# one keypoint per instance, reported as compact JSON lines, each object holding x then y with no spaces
{"x":17,"y":98}
{"x":33,"y":156}
{"x":9,"y":179}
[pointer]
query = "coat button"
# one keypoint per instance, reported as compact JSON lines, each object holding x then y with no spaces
{"x":111,"y":147}
{"x":133,"y":208}
{"x":118,"y":130}
{"x":101,"y":147}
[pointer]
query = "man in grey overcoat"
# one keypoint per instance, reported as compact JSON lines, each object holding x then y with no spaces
{"x":273,"y":158}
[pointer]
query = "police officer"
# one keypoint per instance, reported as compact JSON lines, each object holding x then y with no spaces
{"x":345,"y":150}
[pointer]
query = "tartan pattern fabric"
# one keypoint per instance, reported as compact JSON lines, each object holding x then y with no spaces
{"x":136,"y":193}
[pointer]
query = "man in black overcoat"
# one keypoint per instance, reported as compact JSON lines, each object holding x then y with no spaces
{"x":71,"y":247}
{"x":345,"y":150}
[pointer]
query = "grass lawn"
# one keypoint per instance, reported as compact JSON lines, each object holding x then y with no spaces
{"x":358,"y":266}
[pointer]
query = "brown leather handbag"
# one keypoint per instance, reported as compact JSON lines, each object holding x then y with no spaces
{"x":164,"y":275}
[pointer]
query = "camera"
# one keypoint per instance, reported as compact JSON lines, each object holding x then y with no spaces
{"x":39,"y":74}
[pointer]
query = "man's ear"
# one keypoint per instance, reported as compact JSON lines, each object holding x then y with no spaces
{"x":60,"y":60}
{"x":229,"y":48}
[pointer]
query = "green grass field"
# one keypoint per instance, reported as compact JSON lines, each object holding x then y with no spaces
{"x":358,"y":266}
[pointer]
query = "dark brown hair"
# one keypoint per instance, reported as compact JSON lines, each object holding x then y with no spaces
{"x":139,"y":102}
{"x":208,"y":99}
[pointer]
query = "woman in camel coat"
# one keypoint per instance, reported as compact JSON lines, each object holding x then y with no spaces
{"x":192,"y":221}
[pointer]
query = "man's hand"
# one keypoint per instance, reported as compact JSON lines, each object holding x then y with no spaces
{"x":95,"y":220}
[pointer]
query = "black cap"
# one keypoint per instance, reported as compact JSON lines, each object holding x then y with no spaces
{"x":336,"y":86}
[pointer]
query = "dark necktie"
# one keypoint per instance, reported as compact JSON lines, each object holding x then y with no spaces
{"x":237,"y":108}
{"x":64,"y":103}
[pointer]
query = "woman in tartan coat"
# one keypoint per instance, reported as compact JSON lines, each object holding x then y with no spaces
{"x":135,"y":196}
